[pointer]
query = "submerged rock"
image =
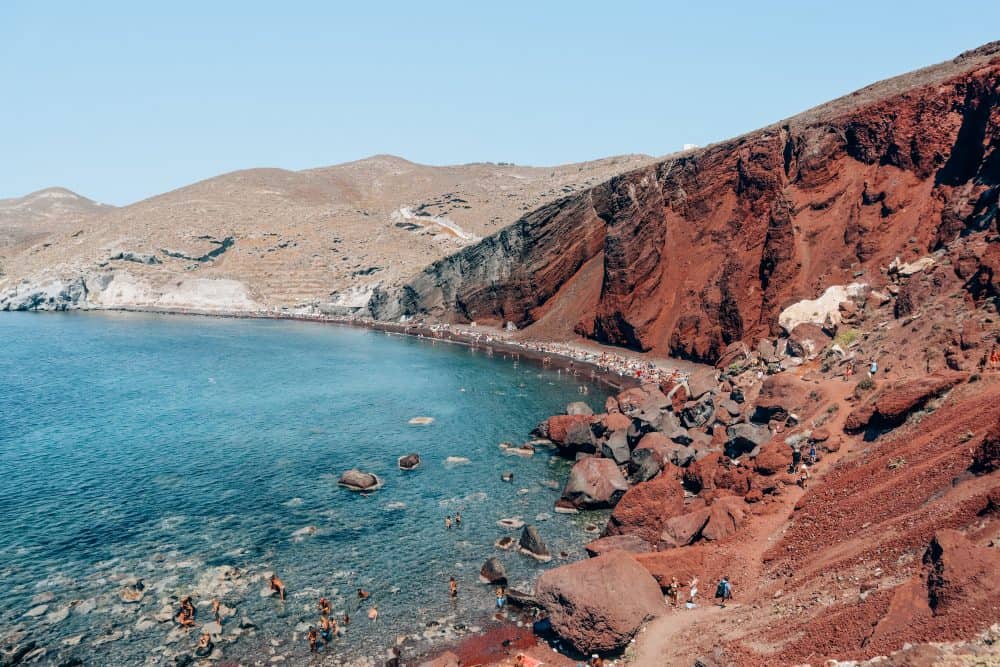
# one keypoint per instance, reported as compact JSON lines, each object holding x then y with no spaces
{"x":408,"y":461}
{"x":532,"y":544}
{"x":358,"y":480}
{"x":493,"y":572}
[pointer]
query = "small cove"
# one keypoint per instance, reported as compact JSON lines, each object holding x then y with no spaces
{"x":177,"y":449}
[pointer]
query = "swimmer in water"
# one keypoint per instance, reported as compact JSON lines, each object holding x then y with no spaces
{"x":313,"y":638}
{"x":325,"y":629}
{"x":324,"y":607}
{"x":215,"y":610}
{"x":278,"y":586}
{"x":458,"y":519}
{"x":453,"y":587}
{"x":363,"y":594}
{"x":447,"y":522}
{"x":373,"y":614}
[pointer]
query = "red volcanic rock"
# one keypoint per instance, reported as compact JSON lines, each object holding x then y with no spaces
{"x":807,"y":340}
{"x":681,"y":530}
{"x":614,"y":422}
{"x":956,"y":589}
{"x":697,"y":251}
{"x":737,"y":353}
{"x":594,"y":483}
{"x":960,"y":575}
{"x":725,"y":517}
{"x":774,"y":457}
{"x":645,"y":507}
{"x":714,"y":472}
{"x":630,"y":543}
{"x":821,"y":434}
{"x":754,"y":496}
{"x":598,"y":605}
{"x":571,"y":431}
{"x":986,"y":456}
{"x":780,"y":395}
{"x":890,"y":406}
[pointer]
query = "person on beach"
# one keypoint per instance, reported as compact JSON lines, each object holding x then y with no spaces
{"x":324,"y":607}
{"x":205,"y":646}
{"x":395,"y":657}
{"x":373,"y":614}
{"x":692,"y":590}
{"x":278,"y":586}
{"x":453,"y":587}
{"x":347,"y":619}
{"x":674,"y":591}
{"x":215,"y":610}
{"x":501,"y":597}
{"x":313,"y":638}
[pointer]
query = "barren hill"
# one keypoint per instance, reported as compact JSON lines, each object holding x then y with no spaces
{"x":26,"y":220}
{"x":270,"y":240}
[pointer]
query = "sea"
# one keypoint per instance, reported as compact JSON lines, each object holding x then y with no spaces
{"x":183,"y":455}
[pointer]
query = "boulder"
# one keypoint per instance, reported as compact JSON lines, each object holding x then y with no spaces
{"x":615,"y":447}
{"x":820,"y":311}
{"x":650,"y":455}
{"x":725,"y":517}
{"x":579,"y":408}
{"x":774,"y":457}
{"x":630,"y":543}
{"x":779,"y":396}
{"x":358,"y":480}
{"x":532,"y":544}
{"x":697,"y":413}
{"x":807,"y":341}
{"x":645,"y":507}
{"x":735,"y":355}
{"x":408,"y":461}
{"x":745,"y":438}
{"x":701,"y":382}
{"x":716,"y":522}
{"x":493,"y":572}
{"x":614,"y":421}
{"x":572,"y":432}
{"x":891,"y":406}
{"x":679,"y":531}
{"x":597,"y":605}
{"x":594,"y":483}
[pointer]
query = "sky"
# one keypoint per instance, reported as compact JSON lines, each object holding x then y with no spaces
{"x":122,"y":101}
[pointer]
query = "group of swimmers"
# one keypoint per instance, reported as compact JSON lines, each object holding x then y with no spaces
{"x":456,"y":522}
{"x":185,"y":618}
{"x":329,"y":628}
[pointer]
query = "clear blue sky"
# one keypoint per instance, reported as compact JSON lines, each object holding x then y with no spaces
{"x":120,"y":101}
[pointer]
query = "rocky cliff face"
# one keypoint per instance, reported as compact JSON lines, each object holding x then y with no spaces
{"x":692,"y":253}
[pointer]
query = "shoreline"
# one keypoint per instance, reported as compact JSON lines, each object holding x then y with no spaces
{"x":444,"y":332}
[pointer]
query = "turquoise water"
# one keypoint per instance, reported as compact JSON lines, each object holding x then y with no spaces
{"x":176,"y":449}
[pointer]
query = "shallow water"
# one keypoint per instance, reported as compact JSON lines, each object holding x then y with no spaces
{"x":174,"y":448}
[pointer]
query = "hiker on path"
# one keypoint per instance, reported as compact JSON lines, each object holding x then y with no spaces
{"x":723,"y":592}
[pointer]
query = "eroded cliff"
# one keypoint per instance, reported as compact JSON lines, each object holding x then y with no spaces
{"x":694,"y":252}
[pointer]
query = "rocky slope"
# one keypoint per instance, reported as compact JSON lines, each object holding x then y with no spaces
{"x":696,"y":251}
{"x":855,"y":515}
{"x":268,"y":240}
